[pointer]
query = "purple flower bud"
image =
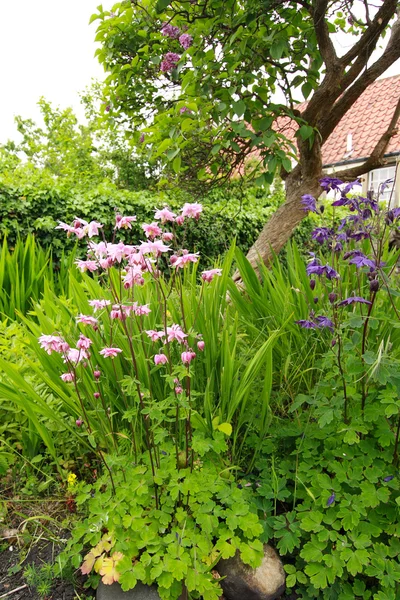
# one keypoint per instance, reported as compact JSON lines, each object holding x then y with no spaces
{"x":333,"y":343}
{"x":374,"y":285}
{"x":312,"y":284}
{"x":316,"y":300}
{"x":332,"y":297}
{"x":96,"y":395}
{"x":97,"y":374}
{"x":388,"y":478}
{"x":331,"y":499}
{"x":79,"y":422}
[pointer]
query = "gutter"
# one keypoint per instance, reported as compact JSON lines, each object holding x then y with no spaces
{"x":351,"y":161}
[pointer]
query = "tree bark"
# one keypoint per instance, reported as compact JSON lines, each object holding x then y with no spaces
{"x":277,"y":231}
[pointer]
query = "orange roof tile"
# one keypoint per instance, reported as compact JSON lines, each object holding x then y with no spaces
{"x":366,"y":121}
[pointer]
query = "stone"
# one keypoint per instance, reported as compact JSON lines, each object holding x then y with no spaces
{"x":139,"y":592}
{"x":266,"y":582}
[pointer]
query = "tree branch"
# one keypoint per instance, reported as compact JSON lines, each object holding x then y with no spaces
{"x":373,"y":32}
{"x":325,"y":44}
{"x":376,"y":158}
{"x":392,"y":52}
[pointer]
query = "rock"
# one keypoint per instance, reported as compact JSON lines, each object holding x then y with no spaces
{"x":139,"y":592}
{"x":240,"y":582}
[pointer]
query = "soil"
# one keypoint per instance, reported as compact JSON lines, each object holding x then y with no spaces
{"x":12,"y":559}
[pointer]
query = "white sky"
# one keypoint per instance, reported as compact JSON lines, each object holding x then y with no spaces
{"x":47,"y":49}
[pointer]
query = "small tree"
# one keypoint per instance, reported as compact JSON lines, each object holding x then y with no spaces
{"x":197,"y":82}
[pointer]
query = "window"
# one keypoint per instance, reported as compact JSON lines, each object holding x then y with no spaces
{"x":380,"y":176}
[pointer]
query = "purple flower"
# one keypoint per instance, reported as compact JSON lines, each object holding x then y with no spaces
{"x":396,"y":212}
{"x":306,"y":324}
{"x":170,"y":61}
{"x":350,"y":186}
{"x":321,"y":234}
{"x":185,"y":40}
{"x":360,"y":260}
{"x":331,"y":499}
{"x":330,"y":183}
{"x":315,"y":268}
{"x":141,"y":139}
{"x":388,"y":478}
{"x":330,"y":273}
{"x":324,"y":322}
{"x":170,"y":31}
{"x":343,"y":201}
{"x":353,"y":300}
{"x":309,"y":203}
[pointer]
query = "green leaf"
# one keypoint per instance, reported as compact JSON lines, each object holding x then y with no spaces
{"x":127,"y":581}
{"x":239,"y":108}
{"x":225,"y":428}
{"x":162,"y":5}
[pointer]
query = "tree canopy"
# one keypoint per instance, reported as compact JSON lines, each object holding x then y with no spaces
{"x":197,"y":84}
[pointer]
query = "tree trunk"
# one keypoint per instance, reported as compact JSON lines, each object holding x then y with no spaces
{"x":277,"y":231}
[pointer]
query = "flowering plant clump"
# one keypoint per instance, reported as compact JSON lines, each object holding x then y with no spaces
{"x":138,"y":333}
{"x":358,"y":247}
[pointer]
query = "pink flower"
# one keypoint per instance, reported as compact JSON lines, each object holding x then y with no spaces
{"x":79,"y":422}
{"x":133,"y":276}
{"x":180,"y":220}
{"x":169,"y":62}
{"x":164,"y":215}
{"x":201,"y":345}
{"x":152,"y":230}
{"x":186,"y":258}
{"x":178,"y":389}
{"x":97,"y":374}
{"x":87,"y":320}
{"x":87,"y":265}
{"x":173,"y":259}
{"x":167,"y":236}
{"x":192,"y":211}
{"x":117,"y":313}
{"x":99,"y":250}
{"x":66,"y":228}
{"x":92,"y":228}
{"x":155,"y":248}
{"x":155,"y":335}
{"x":170,"y":31}
{"x":141,"y":139}
{"x":209,"y":275}
{"x":110,"y":352}
{"x":75,"y":355}
{"x":67,"y":377}
{"x":99,"y":304}
{"x":175,"y":333}
{"x":187,"y":357}
{"x":53,"y":343}
{"x":83,"y":342}
{"x":124,"y":222}
{"x":118,"y":251}
{"x":142,"y":310}
{"x":160,"y":359}
{"x":185,"y":40}
{"x":184,"y":110}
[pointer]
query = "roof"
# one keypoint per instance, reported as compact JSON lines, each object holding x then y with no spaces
{"x":367,"y":120}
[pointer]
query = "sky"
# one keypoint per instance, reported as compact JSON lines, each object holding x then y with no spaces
{"x":47,"y":49}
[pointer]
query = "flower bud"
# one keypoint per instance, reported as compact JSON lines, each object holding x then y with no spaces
{"x":96,"y":395}
{"x":97,"y":374}
{"x":173,"y":259}
{"x":321,"y":209}
{"x":316,"y":300}
{"x":374,"y":285}
{"x":332,"y":297}
{"x":333,"y":343}
{"x":201,"y":345}
{"x":312,"y":284}
{"x":79,"y":422}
